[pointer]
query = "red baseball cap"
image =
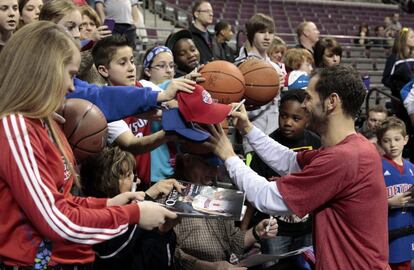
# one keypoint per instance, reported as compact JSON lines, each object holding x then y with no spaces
{"x":199,"y":107}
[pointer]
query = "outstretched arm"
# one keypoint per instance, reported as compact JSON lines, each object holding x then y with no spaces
{"x":118,"y":102}
{"x":264,"y":195}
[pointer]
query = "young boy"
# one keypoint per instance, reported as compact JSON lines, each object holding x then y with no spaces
{"x":299,"y":65}
{"x":293,"y":232}
{"x":399,"y":177}
{"x":260,"y":30}
{"x":9,"y":19}
{"x":112,"y":172}
{"x":114,"y":60}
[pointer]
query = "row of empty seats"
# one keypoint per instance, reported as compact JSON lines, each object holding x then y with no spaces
{"x":332,"y":18}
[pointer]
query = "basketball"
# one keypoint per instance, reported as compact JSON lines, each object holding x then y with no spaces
{"x":261,"y":80}
{"x":85,"y":127}
{"x":224,"y":81}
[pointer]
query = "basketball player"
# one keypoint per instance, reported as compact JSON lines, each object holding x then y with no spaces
{"x":341,"y":183}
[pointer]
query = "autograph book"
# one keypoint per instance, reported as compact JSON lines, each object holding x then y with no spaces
{"x":206,"y":202}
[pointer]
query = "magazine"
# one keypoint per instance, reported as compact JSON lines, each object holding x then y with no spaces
{"x":260,"y":258}
{"x":206,"y":202}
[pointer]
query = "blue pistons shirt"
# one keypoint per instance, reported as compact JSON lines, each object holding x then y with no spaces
{"x":402,"y":248}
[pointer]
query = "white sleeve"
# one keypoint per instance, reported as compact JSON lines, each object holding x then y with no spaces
{"x":115,"y":129}
{"x":278,"y":157}
{"x":264,"y":195}
{"x":409,"y":101}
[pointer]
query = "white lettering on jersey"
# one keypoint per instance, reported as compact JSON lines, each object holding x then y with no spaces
{"x":399,"y":188}
{"x":135,"y":126}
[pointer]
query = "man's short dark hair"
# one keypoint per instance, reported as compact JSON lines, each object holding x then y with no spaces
{"x":105,"y":49}
{"x":221,"y":25}
{"x":259,"y":22}
{"x":346,"y":82}
{"x":298,"y":95}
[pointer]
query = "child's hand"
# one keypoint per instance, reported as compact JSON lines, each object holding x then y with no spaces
{"x":125,"y":198}
{"x":281,"y":81}
{"x":400,"y":199}
{"x":163,"y":187}
{"x":152,"y":115}
{"x":171,"y":104}
{"x":195,"y":75}
{"x":168,"y":225}
{"x":182,"y":84}
{"x":58,"y":118}
{"x":152,"y":215}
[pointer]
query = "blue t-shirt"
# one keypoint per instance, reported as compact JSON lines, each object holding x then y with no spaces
{"x":400,"y":249}
{"x":160,"y":157}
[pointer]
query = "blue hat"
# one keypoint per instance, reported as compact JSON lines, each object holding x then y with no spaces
{"x":173,"y":121}
{"x":298,"y":80}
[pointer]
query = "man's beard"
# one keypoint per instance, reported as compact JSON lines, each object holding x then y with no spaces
{"x":318,"y":123}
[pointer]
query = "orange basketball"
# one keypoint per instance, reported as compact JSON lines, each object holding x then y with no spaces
{"x":261,"y":80}
{"x":85,"y":128}
{"x":224,"y":81}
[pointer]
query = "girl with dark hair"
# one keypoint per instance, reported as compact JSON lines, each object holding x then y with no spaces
{"x":29,"y":11}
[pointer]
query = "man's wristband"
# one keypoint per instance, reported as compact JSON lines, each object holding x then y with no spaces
{"x":255,"y":235}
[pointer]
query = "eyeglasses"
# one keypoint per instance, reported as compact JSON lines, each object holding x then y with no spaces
{"x":206,"y":11}
{"x":164,"y":66}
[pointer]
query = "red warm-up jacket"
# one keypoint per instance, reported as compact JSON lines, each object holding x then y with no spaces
{"x":36,"y":203}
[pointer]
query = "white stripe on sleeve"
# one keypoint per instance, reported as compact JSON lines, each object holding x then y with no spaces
{"x":43,"y":197}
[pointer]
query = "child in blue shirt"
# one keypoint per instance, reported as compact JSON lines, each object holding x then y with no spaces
{"x":399,"y":177}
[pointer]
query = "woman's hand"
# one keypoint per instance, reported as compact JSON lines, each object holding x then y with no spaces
{"x":100,"y":33}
